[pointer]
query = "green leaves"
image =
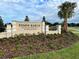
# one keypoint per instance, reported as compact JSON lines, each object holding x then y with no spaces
{"x":2,"y":28}
{"x":66,"y":11}
{"x":1,"y":22}
{"x":66,"y":8}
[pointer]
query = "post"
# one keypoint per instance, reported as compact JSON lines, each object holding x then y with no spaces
{"x":47,"y":29}
{"x":43,"y":27}
{"x":11,"y":30}
{"x":59,"y":29}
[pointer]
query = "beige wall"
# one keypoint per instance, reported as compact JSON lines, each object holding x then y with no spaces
{"x":18,"y":28}
{"x":32,"y":28}
{"x":29,"y":27}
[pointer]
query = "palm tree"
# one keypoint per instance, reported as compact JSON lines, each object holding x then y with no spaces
{"x":66,"y":11}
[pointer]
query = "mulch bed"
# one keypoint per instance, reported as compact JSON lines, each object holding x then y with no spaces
{"x":30,"y":44}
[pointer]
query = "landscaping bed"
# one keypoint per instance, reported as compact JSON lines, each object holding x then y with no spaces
{"x":33,"y":44}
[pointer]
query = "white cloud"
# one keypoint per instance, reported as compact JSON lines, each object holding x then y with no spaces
{"x":35,"y":9}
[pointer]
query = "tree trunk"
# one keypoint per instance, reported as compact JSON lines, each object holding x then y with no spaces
{"x":65,"y":25}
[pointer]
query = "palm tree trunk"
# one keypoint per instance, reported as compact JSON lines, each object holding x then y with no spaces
{"x":65,"y":22}
{"x":65,"y":25}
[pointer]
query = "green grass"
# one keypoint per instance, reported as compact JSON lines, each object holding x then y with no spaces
{"x":67,"y":53}
{"x":75,"y":30}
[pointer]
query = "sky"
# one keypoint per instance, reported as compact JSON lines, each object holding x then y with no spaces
{"x":35,"y":9}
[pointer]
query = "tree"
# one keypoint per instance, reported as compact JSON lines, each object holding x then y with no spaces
{"x":27,"y":18}
{"x":56,"y":23}
{"x":77,"y":24}
{"x":72,"y":24}
{"x":2,"y":27}
{"x":66,"y":11}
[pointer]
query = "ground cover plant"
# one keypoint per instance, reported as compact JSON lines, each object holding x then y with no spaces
{"x":66,"y":53}
{"x":33,"y":44}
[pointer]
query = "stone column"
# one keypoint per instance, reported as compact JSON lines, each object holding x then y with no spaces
{"x":14,"y":27}
{"x":43,"y":27}
{"x":8,"y":30}
{"x":59,"y":29}
{"x":47,"y":28}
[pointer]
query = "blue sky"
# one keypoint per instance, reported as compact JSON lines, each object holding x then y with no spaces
{"x":35,"y":9}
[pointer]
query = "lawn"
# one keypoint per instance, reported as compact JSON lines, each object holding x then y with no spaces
{"x":66,"y":53}
{"x":74,"y":30}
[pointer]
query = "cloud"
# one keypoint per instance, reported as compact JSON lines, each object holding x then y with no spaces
{"x":35,"y":9}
